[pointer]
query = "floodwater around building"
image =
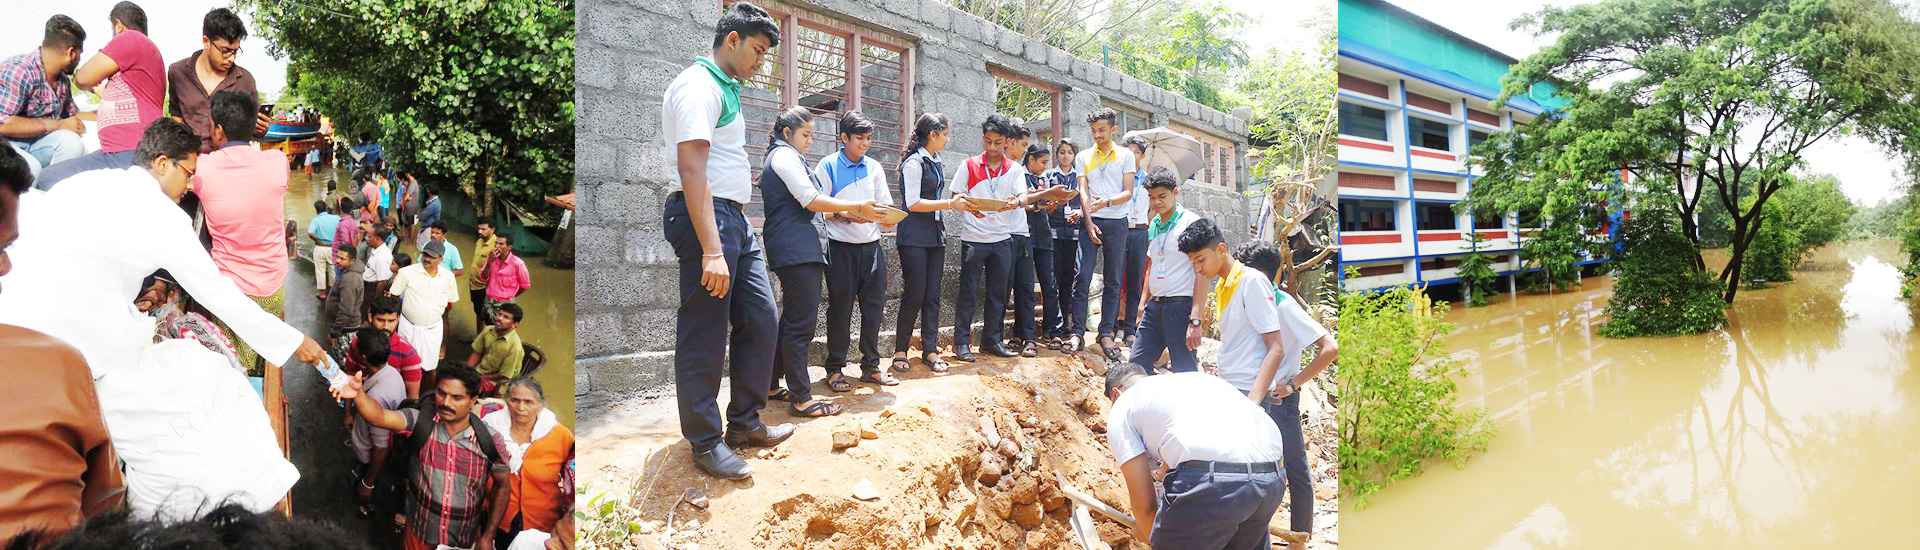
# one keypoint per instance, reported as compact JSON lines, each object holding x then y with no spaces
{"x":1796,"y":426}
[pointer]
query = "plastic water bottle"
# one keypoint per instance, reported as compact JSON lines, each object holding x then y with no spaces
{"x":331,"y":371}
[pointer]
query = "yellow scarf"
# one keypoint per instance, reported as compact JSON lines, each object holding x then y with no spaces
{"x":1225,"y":289}
{"x":1099,"y":159}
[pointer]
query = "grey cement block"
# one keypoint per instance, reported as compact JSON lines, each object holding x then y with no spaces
{"x":595,"y":246}
{"x":626,"y":203}
{"x":597,"y":66}
{"x":1036,"y":51}
{"x":597,"y":333}
{"x":595,"y":159}
{"x":936,"y":14}
{"x":647,"y":163}
{"x":1059,"y":60}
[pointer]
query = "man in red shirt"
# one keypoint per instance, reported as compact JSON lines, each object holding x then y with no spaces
{"x":131,"y":79}
{"x":243,"y":193}
{"x":383,"y":313}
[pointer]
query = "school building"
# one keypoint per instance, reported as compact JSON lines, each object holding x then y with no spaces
{"x":890,"y":59}
{"x":1413,"y":97}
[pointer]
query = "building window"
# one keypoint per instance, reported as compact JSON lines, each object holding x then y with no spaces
{"x":1530,"y":219}
{"x":1430,"y":134}
{"x":1436,"y":216}
{"x":1363,"y":121}
{"x":1474,"y":137}
{"x":1367,"y":215}
{"x":1489,"y":221}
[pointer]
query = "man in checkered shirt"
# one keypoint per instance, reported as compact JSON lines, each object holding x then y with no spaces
{"x":448,"y":500}
{"x":37,"y":114}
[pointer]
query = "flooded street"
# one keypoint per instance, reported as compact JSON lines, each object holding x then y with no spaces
{"x":549,"y":304}
{"x":1796,"y":426}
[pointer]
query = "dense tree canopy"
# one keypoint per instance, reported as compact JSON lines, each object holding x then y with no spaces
{"x":1689,"y":94}
{"x":479,"y":93}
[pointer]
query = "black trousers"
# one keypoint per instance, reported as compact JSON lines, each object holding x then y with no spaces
{"x":1136,"y":277}
{"x":799,"y":316}
{"x":1073,"y":297}
{"x":920,"y":270}
{"x":1049,"y":292}
{"x":1293,"y":444}
{"x":993,"y":262}
{"x":855,"y":272}
{"x":735,"y":330}
{"x":1022,"y":286}
{"x":1112,"y":255}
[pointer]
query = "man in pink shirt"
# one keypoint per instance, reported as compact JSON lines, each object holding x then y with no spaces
{"x":131,"y":79}
{"x":507,"y":276}
{"x":243,"y":191}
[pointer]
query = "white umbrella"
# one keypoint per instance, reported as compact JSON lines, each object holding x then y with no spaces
{"x":1178,"y":152}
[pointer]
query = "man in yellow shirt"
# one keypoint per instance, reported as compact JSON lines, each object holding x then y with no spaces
{"x":497,"y":353}
{"x":477,"y":279}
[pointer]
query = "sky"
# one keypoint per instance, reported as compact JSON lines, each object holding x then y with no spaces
{"x":174,"y":26}
{"x":1277,"y":22}
{"x":1866,"y":174}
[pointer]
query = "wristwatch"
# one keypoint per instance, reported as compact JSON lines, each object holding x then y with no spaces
{"x":1291,"y":389}
{"x":1193,"y":322}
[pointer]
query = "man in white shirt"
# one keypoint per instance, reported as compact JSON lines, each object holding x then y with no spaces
{"x":1170,"y":318}
{"x":427,"y":292}
{"x":986,"y":245}
{"x":1298,"y":330}
{"x":1261,"y":342}
{"x":1223,"y":484}
{"x":856,"y":266}
{"x":726,"y":299}
{"x":379,"y":260}
{"x":1106,"y":170}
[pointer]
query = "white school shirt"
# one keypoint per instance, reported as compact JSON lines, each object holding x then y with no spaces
{"x":1171,"y":273}
{"x":994,"y":226}
{"x":872,"y":187}
{"x":1138,"y":211}
{"x":1019,"y":225}
{"x":1257,"y":309}
{"x":1174,"y":418}
{"x":690,"y":111}
{"x":84,"y":248}
{"x":792,"y":169}
{"x":423,"y":298}
{"x":911,"y":171}
{"x":1107,"y":180}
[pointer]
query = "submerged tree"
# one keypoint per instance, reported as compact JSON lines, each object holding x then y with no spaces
{"x":1659,"y":291}
{"x":1776,"y":247}
{"x":479,"y":91}
{"x":1477,"y":276}
{"x":1691,"y":94}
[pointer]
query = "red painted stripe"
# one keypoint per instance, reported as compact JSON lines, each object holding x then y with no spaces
{"x":1424,"y":237}
{"x":1370,"y":239}
{"x":1490,"y":235}
{"x":1365,"y":145}
{"x":1441,"y":156}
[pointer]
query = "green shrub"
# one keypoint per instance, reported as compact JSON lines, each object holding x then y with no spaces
{"x":1397,"y":406}
{"x":1775,"y":248}
{"x":1476,"y":273}
{"x":1658,"y":290}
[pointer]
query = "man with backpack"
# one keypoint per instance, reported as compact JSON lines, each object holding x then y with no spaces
{"x":457,"y":475}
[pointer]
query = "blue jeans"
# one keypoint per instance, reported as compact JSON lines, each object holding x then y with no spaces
{"x":1216,"y":510}
{"x":1164,"y":327}
{"x":56,"y":147}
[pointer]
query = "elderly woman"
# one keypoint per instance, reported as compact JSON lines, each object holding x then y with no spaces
{"x":540,"y":449}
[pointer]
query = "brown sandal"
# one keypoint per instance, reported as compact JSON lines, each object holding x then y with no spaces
{"x":934,"y":363}
{"x":900,"y":363}
{"x":880,"y":377}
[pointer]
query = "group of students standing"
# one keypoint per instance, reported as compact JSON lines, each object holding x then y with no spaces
{"x":1030,"y":215}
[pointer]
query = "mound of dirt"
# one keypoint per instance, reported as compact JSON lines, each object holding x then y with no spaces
{"x":964,"y":460}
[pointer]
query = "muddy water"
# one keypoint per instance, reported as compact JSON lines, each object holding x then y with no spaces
{"x":549,"y":304}
{"x":1797,"y":426}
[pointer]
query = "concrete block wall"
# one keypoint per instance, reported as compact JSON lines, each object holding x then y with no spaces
{"x":630,"y":49}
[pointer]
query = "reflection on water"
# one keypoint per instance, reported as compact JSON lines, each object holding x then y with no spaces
{"x":549,"y":304}
{"x":1791,"y":427}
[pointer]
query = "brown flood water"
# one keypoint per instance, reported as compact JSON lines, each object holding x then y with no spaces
{"x":1796,"y":426}
{"x":549,"y":304}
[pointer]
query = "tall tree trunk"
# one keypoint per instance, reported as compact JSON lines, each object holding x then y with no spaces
{"x":1742,"y":238}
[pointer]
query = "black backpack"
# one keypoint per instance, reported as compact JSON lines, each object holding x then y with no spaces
{"x":390,"y":491}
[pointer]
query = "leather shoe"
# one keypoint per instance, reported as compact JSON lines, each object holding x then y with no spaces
{"x":963,"y":354}
{"x":763,"y":436}
{"x":722,"y":463}
{"x":999,"y":350}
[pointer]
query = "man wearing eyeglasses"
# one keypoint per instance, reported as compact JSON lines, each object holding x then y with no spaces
{"x":191,"y":82}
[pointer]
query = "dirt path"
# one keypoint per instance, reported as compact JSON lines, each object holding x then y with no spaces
{"x":961,"y":460}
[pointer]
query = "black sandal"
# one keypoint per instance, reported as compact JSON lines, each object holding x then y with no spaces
{"x":816,"y":410}
{"x":838,"y":382}
{"x":780,"y":395}
{"x":1112,"y":351}
{"x":934,"y":363}
{"x":1030,"y":349}
{"x":900,"y":363}
{"x":880,"y":377}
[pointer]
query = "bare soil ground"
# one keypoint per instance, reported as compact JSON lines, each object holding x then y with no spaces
{"x":962,"y":460}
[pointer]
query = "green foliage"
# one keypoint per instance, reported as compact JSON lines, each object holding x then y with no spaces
{"x":1659,"y":291}
{"x":1884,"y":220}
{"x":1190,"y":48}
{"x":1743,"y":87}
{"x":1813,"y":208}
{"x":1476,"y":273}
{"x":1774,"y":250}
{"x":476,"y":92}
{"x":1716,"y":222}
{"x":1397,"y":408}
{"x":1294,"y":112}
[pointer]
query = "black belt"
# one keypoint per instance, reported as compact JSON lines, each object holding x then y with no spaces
{"x":1230,"y":467}
{"x":1141,"y":226}
{"x":1171,"y":298}
{"x":682,"y":197}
